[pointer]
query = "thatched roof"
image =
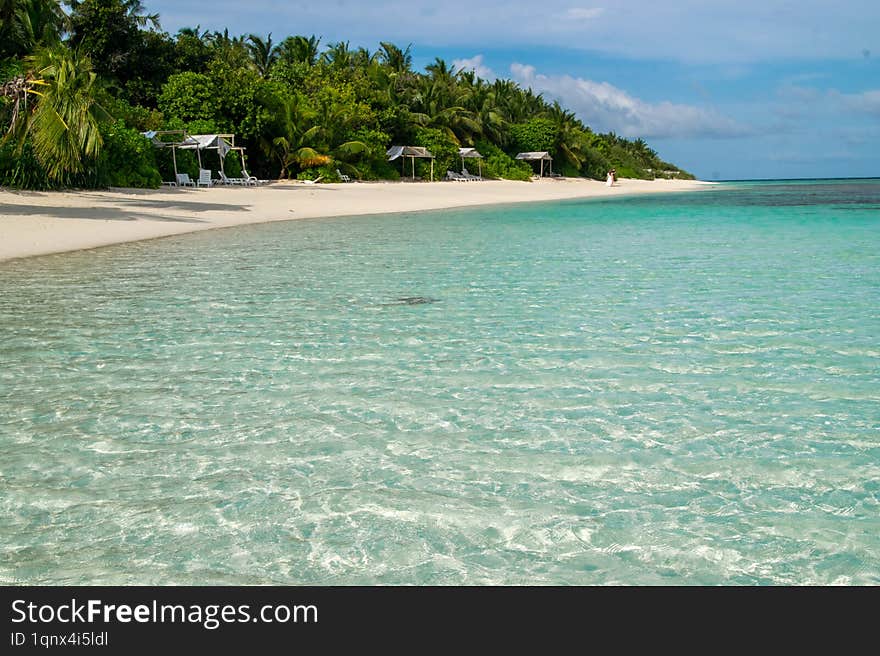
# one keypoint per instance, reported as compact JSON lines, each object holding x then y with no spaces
{"x":408,"y":151}
{"x":535,"y":156}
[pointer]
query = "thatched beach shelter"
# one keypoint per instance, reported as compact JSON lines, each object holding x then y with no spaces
{"x":179,"y":139}
{"x":222,"y":143}
{"x":539,"y":156}
{"x":412,"y":152}
{"x":471,"y":153}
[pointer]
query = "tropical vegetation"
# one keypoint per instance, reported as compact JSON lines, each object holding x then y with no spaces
{"x":80,"y":81}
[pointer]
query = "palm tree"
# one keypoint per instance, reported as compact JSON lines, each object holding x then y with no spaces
{"x":294,"y":144}
{"x":482,"y":103}
{"x":63,"y":124}
{"x":399,"y":61}
{"x":27,"y":24}
{"x":18,"y":92}
{"x":133,"y":9}
{"x":232,"y":50}
{"x":263,"y":53}
{"x":571,"y":140}
{"x":299,"y":50}
{"x":441,"y":102}
{"x":339,"y":56}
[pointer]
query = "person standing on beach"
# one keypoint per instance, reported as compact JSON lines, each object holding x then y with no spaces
{"x":610,"y":179}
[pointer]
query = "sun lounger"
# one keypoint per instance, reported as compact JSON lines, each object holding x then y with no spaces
{"x":230,"y":181}
{"x":205,"y":178}
{"x":342,"y":176}
{"x":455,"y":177}
{"x":183,"y":180}
{"x":248,"y":179}
{"x":469,"y":177}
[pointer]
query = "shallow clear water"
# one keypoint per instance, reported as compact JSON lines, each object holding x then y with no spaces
{"x":673,"y":389}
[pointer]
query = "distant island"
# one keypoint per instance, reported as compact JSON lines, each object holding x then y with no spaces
{"x":79,"y":88}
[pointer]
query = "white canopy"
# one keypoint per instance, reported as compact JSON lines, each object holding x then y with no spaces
{"x":207,"y":142}
{"x":408,"y":151}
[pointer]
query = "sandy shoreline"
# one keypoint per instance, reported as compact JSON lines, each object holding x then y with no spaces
{"x":39,"y":223}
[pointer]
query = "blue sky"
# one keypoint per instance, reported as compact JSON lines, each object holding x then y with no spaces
{"x":726,"y":89}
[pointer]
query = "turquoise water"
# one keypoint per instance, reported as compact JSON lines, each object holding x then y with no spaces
{"x":671,"y":389}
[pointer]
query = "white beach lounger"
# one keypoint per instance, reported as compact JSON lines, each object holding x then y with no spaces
{"x":205,"y":178}
{"x":342,"y":176}
{"x":248,"y":179}
{"x":230,"y":181}
{"x":455,"y":177}
{"x":469,"y":177}
{"x":183,"y":180}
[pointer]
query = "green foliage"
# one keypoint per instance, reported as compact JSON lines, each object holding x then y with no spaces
{"x":498,"y":164}
{"x":444,"y":149}
{"x":300,"y":50}
{"x":326,"y":173}
{"x":20,"y":169}
{"x":189,"y":97}
{"x":140,"y":118}
{"x":109,"y":32}
{"x":192,"y":52}
{"x":368,"y":162}
{"x":186,"y":163}
{"x":292,"y":74}
{"x":128,"y":159}
{"x":27,"y":25}
{"x":538,"y":134}
{"x":151,"y":62}
{"x":63,"y":127}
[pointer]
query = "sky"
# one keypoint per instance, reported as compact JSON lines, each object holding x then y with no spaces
{"x":726,"y":89}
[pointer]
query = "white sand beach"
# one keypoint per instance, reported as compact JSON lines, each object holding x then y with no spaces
{"x":39,"y":223}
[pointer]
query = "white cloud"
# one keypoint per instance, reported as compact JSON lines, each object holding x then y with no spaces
{"x":867,"y":102}
{"x":604,"y":107}
{"x":823,"y":103}
{"x":476,"y":65}
{"x":584,"y":13}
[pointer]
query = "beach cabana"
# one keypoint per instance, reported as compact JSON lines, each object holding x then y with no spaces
{"x":179,"y":139}
{"x":402,"y":152}
{"x":540,"y":156}
{"x":471,"y":153}
{"x":222,"y":143}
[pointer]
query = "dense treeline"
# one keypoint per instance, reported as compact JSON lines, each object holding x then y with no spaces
{"x":78,"y":87}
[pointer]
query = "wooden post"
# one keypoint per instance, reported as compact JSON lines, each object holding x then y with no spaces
{"x":542,"y":167}
{"x":432,"y":169}
{"x":174,"y":158}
